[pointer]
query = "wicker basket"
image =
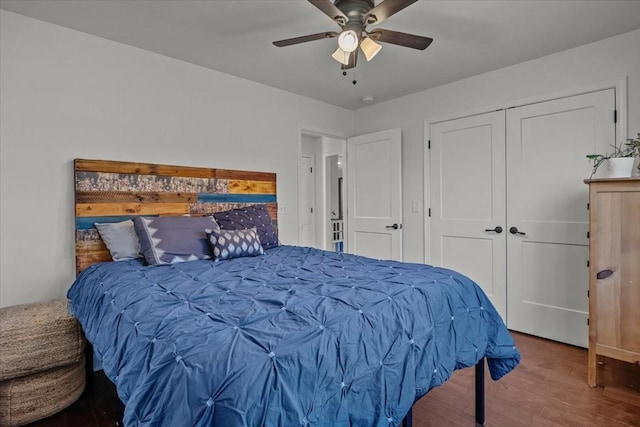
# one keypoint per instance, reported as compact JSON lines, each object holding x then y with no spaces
{"x":33,"y":397}
{"x":41,"y":361}
{"x":36,"y":337}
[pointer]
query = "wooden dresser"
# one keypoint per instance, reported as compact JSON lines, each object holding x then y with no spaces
{"x":614,"y":271}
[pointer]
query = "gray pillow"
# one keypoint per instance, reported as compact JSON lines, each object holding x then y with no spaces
{"x":121,"y":240}
{"x":171,"y":239}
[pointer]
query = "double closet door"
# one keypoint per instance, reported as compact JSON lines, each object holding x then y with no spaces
{"x":509,"y":207}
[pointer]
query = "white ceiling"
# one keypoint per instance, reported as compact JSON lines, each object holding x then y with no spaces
{"x":234,"y":37}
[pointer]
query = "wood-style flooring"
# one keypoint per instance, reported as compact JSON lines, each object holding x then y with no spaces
{"x":548,"y":388}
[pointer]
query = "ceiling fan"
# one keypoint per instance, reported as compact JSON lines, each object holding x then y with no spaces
{"x":353,"y":16}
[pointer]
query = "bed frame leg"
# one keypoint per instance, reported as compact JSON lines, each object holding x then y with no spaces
{"x":480,"y":392}
{"x":408,"y":419}
{"x":480,"y":420}
{"x":88,"y":364}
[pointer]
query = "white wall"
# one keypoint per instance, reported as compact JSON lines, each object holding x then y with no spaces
{"x":575,"y":69}
{"x":67,"y":95}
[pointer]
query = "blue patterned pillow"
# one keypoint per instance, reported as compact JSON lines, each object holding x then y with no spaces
{"x":171,"y":239}
{"x":227,"y":244}
{"x":252,"y":216}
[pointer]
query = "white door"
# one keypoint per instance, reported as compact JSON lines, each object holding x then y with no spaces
{"x":306,"y":235}
{"x":547,"y":199}
{"x":374,"y":195}
{"x":468,"y":215}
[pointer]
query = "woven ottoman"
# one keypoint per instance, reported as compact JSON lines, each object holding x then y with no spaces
{"x":41,"y":361}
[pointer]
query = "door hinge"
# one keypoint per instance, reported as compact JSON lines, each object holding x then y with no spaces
{"x":311,"y":210}
{"x":588,"y":234}
{"x":310,"y":170}
{"x":588,"y":293}
{"x":587,"y":321}
{"x":429,"y":145}
{"x":588,"y":206}
{"x":615,"y":116}
{"x":588,"y":263}
{"x":429,"y":211}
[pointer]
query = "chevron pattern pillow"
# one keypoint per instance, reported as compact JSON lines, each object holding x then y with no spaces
{"x":228,"y":244}
{"x":171,"y":239}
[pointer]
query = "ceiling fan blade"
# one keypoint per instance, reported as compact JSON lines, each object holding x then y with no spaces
{"x":304,"y":39}
{"x":328,"y":8}
{"x":401,"y":39}
{"x":353,"y":60}
{"x":385,"y":10}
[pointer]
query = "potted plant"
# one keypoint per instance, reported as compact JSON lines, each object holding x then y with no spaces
{"x":635,"y":144}
{"x":622,"y":162}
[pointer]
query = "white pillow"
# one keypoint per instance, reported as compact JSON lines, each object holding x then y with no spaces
{"x":121,"y":239}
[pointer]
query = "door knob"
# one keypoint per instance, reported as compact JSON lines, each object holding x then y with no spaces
{"x":514,"y":230}
{"x":498,"y":229}
{"x":394,"y":226}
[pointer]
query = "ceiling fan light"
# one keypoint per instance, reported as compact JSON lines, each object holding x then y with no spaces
{"x":348,"y":41}
{"x":370,"y":48}
{"x":341,"y":56}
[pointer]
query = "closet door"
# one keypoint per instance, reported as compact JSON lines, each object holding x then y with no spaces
{"x":467,"y":186}
{"x":547,"y":246}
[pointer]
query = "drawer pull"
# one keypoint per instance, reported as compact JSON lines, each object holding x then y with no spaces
{"x":604,"y":274}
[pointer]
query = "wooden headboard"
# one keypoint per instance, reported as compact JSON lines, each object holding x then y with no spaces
{"x":112,"y":191}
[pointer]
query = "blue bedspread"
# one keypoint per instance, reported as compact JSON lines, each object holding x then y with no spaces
{"x":295,"y":337}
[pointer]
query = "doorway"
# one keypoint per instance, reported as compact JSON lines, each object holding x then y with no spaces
{"x":321,"y":195}
{"x":357,"y":206}
{"x":334,"y":167}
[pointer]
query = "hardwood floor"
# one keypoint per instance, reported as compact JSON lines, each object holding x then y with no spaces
{"x":548,"y":388}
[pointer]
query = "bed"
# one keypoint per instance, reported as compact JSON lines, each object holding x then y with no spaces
{"x":291,"y":336}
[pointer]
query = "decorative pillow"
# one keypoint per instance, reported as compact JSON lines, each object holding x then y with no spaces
{"x":121,"y":240}
{"x":171,"y":239}
{"x":227,"y":244}
{"x":252,"y":216}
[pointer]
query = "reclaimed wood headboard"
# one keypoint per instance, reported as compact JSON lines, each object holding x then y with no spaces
{"x":112,"y":191}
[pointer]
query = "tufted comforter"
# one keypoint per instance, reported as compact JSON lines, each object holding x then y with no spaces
{"x":296,"y":337}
